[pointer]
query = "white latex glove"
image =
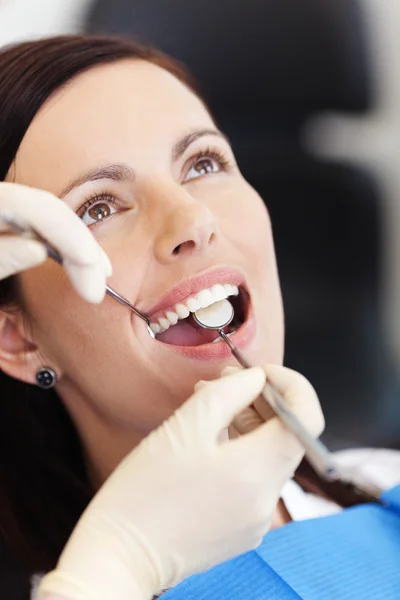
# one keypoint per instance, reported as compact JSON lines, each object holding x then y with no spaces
{"x":85,"y":262}
{"x":183,"y":501}
{"x":288,"y":382}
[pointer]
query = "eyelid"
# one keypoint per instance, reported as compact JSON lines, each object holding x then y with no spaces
{"x":221,"y":155}
{"x":95,"y":198}
{"x":101,"y":187}
{"x":204,"y":149}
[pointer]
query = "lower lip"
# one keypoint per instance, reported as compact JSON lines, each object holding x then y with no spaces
{"x":219,"y":350}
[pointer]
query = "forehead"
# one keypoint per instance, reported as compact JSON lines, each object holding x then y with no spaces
{"x":111,"y":112}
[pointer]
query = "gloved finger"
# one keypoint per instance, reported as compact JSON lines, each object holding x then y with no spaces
{"x":293,"y":387}
{"x":18,"y":254}
{"x":215,"y":405}
{"x":299,"y":395}
{"x":260,"y":410}
{"x":247,"y":420}
{"x":233,"y":433}
{"x":229,"y":370}
{"x":54,"y":221}
{"x":88,"y":281}
{"x":263,"y":409}
{"x":200,"y":385}
{"x":271,"y":448}
{"x":272,"y":443}
{"x":107,"y":265}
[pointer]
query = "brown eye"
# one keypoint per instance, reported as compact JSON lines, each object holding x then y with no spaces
{"x":99,"y":211}
{"x":205,"y":165}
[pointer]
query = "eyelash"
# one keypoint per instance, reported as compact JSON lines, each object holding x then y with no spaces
{"x":96,"y":199}
{"x":212,"y":152}
{"x":217,"y":154}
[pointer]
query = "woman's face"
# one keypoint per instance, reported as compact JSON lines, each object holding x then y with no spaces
{"x":135,"y":153}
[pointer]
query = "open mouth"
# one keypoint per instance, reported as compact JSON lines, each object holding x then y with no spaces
{"x":178,"y":328}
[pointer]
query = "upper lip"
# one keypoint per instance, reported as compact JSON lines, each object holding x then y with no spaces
{"x":187,"y":288}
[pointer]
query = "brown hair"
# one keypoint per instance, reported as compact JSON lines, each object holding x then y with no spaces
{"x":43,"y":483}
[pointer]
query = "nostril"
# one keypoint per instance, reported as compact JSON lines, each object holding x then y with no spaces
{"x":212,"y":239}
{"x":190,"y":245}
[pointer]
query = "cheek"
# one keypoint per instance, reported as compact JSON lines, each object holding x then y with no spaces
{"x":247,"y":224}
{"x":251,"y":228}
{"x":95,"y":348}
{"x":65,"y":327}
{"x":57,"y":314}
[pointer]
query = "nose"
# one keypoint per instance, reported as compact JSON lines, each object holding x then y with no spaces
{"x":187,"y":227}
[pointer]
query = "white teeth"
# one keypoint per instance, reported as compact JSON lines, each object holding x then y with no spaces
{"x":155,"y":327}
{"x":172,"y":317}
{"x":182,"y":311}
{"x":205,"y":298}
{"x":164,"y":323}
{"x":218,"y":292}
{"x":233,"y":290}
{"x":193,"y":304}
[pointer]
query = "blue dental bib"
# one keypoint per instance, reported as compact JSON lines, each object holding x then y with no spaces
{"x":352,"y":555}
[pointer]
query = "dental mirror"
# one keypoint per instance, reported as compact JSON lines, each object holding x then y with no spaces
{"x":219,"y":315}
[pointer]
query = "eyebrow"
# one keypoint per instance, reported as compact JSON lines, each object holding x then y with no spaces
{"x":113,"y":172}
{"x":122,"y":172}
{"x":183,"y":144}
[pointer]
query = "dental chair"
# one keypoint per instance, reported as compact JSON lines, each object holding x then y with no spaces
{"x":267,"y":68}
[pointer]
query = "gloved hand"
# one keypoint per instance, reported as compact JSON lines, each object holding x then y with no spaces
{"x":290,"y":383}
{"x":183,"y":500}
{"x":85,"y":262}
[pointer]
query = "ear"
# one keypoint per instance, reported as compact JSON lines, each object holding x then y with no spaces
{"x":19,"y":356}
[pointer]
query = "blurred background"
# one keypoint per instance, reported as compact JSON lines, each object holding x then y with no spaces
{"x":309,"y":94}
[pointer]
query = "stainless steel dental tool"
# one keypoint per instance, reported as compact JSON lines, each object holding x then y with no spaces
{"x":317,"y":453}
{"x":222,"y":315}
{"x":23,"y":229}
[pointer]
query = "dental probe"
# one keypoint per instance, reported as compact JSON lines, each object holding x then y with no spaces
{"x":317,"y":453}
{"x":319,"y":456}
{"x":26,"y":230}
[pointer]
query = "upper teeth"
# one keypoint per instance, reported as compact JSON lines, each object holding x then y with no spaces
{"x":202,"y":299}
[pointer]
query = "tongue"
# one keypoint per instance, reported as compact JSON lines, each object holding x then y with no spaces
{"x":187,"y":333}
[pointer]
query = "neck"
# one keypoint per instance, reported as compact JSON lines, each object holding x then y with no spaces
{"x":281,"y":516}
{"x":105,"y":444}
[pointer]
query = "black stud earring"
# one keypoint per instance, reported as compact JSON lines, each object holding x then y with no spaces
{"x":46,"y":378}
